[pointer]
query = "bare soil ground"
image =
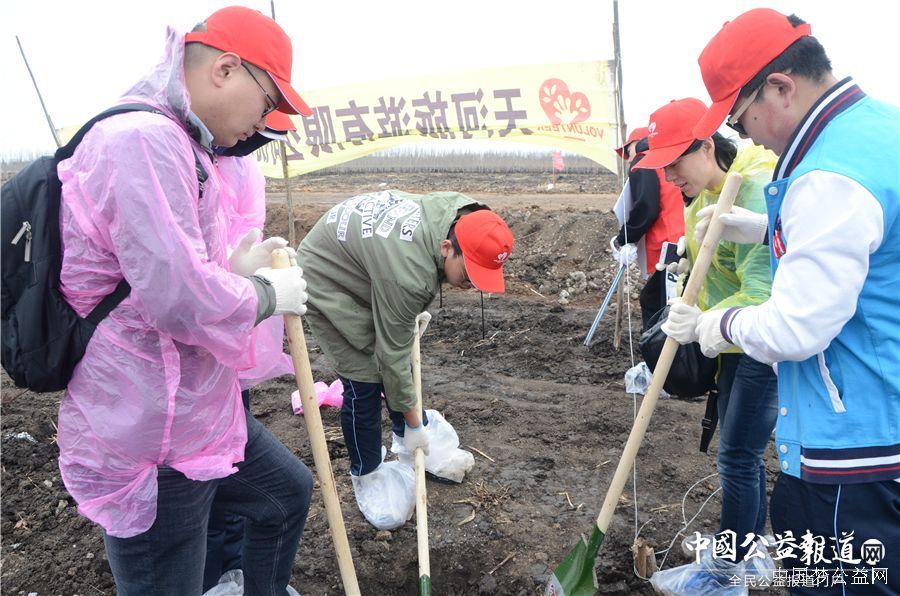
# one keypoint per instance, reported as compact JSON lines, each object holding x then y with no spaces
{"x":545,"y":417}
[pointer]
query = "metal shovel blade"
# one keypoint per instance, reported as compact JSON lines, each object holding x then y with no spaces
{"x":576,"y":575}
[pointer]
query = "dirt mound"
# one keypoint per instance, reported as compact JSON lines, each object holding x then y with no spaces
{"x":545,"y":417}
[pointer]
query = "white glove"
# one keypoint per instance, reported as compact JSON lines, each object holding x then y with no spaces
{"x":681,"y":265}
{"x":681,"y":325}
{"x":624,"y":255}
{"x":413,"y":438}
{"x":422,"y":320}
{"x":741,"y":225}
{"x":709,"y":330}
{"x":248,"y":256}
{"x":290,"y":289}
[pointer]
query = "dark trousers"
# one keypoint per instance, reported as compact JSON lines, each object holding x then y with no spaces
{"x":830,"y":512}
{"x":653,"y":297}
{"x":361,"y":423}
{"x":271,"y":490}
{"x":224,"y":536}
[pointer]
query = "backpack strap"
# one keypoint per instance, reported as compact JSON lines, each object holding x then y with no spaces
{"x":67,"y":150}
{"x":201,"y":175}
{"x":111,"y":301}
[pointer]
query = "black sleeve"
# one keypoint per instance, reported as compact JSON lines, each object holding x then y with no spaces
{"x":645,"y":205}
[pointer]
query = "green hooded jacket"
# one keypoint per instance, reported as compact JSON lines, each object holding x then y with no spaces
{"x":372,"y":264}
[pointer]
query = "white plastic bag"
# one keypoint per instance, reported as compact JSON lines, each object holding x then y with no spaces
{"x":638,"y":379}
{"x":710,"y":576}
{"x":445,"y":460}
{"x":232,"y":584}
{"x":386,"y":496}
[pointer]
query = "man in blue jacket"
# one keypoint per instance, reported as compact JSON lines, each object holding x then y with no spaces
{"x":832,"y":324}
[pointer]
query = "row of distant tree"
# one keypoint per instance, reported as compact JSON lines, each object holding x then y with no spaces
{"x":423,"y":159}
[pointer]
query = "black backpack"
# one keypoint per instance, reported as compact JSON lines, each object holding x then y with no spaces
{"x":43,"y":338}
{"x":692,"y":374}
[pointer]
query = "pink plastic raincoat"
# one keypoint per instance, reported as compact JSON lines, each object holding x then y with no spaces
{"x":243,"y":205}
{"x":158,"y":383}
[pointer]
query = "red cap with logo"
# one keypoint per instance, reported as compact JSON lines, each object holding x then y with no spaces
{"x":636,"y":135}
{"x":671,"y":132}
{"x":741,"y":49}
{"x":260,"y":41}
{"x":486,"y":242}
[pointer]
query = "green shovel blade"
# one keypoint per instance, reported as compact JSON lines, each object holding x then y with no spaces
{"x":424,"y":585}
{"x":575,"y":576}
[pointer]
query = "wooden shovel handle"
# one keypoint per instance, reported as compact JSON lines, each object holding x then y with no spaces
{"x":421,"y":495}
{"x":294,"y":328}
{"x":698,"y":274}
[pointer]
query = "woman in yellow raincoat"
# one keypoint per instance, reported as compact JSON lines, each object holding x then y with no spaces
{"x":740,"y":275}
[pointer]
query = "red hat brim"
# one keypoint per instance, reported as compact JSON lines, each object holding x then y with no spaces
{"x":663,"y":156}
{"x":714,"y":117}
{"x":280,"y":122}
{"x":291,"y":102}
{"x":484,"y":278}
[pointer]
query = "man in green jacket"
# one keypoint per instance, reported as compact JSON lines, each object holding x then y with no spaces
{"x":373,"y":263}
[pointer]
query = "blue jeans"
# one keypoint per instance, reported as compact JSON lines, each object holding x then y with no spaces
{"x":272,"y":490}
{"x":224,"y":536}
{"x":748,"y":407}
{"x":361,"y":423}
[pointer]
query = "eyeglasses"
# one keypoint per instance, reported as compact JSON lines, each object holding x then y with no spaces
{"x":271,"y":104}
{"x":733,"y":123}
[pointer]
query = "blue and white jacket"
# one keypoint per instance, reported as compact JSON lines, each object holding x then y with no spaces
{"x":833,"y":321}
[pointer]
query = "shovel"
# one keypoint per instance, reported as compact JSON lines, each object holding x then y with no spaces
{"x":612,"y":289}
{"x":422,"y":320}
{"x":576,"y":575}
{"x":294,"y":328}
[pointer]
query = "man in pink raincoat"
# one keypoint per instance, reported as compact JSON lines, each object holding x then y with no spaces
{"x":151,"y":428}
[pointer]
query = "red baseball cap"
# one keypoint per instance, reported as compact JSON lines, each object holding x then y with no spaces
{"x":486,"y":242}
{"x":741,"y":49}
{"x":636,"y":135}
{"x":260,"y":41}
{"x":671,"y":132}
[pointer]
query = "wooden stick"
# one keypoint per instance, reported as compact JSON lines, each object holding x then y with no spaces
{"x":617,"y":333}
{"x":421,"y":495}
{"x":297,"y":340}
{"x":639,"y":429}
{"x":40,"y":98}
{"x":290,"y":198}
{"x":482,"y":454}
{"x":501,"y":563}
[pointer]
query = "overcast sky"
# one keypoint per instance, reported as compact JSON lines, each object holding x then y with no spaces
{"x":85,"y":53}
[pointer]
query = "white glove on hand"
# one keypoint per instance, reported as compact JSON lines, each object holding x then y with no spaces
{"x":681,"y":325}
{"x":709,"y":330}
{"x":413,"y":438}
{"x":681,"y":265}
{"x":290,"y":289}
{"x":624,"y":255}
{"x":741,"y":225}
{"x":248,"y":256}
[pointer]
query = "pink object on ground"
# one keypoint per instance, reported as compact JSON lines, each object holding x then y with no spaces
{"x":326,"y":395}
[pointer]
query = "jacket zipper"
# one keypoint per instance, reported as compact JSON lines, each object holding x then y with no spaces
{"x":25,"y":230}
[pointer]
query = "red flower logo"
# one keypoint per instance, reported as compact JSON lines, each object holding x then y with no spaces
{"x":561,"y":105}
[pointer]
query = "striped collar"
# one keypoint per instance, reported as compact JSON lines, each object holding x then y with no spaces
{"x":837,"y":99}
